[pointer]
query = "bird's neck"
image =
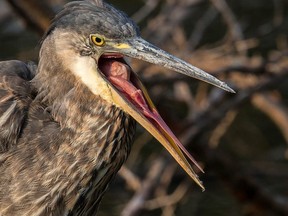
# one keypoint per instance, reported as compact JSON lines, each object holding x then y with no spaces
{"x":96,"y":139}
{"x":96,"y":136}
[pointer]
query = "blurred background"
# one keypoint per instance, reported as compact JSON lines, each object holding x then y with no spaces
{"x":239,"y":139}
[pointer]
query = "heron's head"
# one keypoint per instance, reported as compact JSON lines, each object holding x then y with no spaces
{"x":92,"y":38}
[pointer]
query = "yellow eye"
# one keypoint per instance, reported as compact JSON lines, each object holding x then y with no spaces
{"x":97,"y":40}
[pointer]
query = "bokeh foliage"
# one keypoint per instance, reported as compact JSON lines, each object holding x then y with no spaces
{"x":241,"y":139}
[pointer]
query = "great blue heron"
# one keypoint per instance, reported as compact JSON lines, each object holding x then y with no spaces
{"x":66,"y":127}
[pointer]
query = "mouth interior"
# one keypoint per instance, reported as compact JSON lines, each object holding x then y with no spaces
{"x":121,"y":76}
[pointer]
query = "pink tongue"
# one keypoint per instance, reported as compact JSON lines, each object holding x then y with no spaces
{"x":118,"y":74}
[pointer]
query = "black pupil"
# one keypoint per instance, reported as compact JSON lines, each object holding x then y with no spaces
{"x":98,"y":40}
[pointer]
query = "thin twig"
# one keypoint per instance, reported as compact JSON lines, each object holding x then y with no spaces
{"x":141,"y":14}
{"x":136,"y":204}
{"x":37,"y":14}
{"x":274,"y":109}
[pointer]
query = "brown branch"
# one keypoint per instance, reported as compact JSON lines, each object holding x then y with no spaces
{"x":205,"y":20}
{"x":37,"y":14}
{"x":274,"y":109}
{"x":141,"y":14}
{"x":230,"y":19}
{"x":130,"y":178}
{"x":221,"y":129}
{"x":212,"y":115}
{"x":244,"y":187}
{"x":166,"y":22}
{"x":136,"y":204}
{"x":168,"y":200}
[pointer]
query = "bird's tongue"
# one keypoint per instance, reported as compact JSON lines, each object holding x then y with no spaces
{"x":119,"y":73}
{"x":122,"y":77}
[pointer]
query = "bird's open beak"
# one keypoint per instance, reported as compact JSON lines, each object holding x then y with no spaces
{"x":129,"y":93}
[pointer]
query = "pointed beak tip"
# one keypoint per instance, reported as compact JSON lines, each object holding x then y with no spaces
{"x":227,"y":88}
{"x":200,"y":184}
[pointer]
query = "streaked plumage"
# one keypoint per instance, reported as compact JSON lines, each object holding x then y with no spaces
{"x":65,"y":126}
{"x":46,"y":162}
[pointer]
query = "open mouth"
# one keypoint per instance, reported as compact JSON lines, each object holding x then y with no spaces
{"x":127,"y":83}
{"x":121,"y":76}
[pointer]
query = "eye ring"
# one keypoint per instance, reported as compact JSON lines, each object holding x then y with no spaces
{"x":97,"y":40}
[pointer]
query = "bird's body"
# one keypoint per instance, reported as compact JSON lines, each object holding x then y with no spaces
{"x":66,"y":126}
{"x":56,"y":154}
